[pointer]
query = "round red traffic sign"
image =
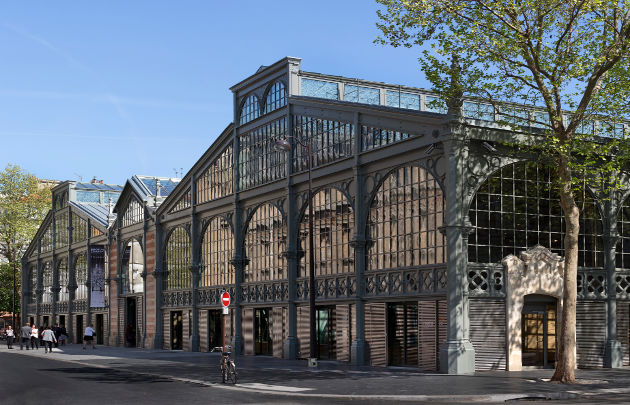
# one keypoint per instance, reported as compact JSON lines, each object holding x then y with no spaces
{"x":225,"y":299}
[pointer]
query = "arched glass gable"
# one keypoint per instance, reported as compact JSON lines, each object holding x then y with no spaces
{"x":517,"y":209}
{"x":178,"y":255}
{"x":265,"y":243}
{"x":217,"y":249}
{"x":276,"y":97}
{"x":133,"y":267}
{"x":405,"y":215}
{"x":333,"y":228}
{"x":250,"y":110}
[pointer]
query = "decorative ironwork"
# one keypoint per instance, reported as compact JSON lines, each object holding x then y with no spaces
{"x":486,"y":281}
{"x":591,"y":284}
{"x":46,"y":308}
{"x":275,"y":291}
{"x":62,"y":307}
{"x":79,"y":306}
{"x":212,"y":296}
{"x":180,"y":298}
{"x":406,"y":282}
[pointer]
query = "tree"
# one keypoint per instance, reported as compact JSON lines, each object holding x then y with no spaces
{"x":567,"y":57}
{"x":23,"y":206}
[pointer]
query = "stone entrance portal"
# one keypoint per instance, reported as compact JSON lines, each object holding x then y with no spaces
{"x":536,"y":271}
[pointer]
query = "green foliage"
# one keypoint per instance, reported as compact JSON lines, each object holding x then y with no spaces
{"x":23,"y":206}
{"x":569,"y":58}
{"x":6,"y":288}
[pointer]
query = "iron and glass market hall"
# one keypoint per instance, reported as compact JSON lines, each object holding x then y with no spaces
{"x":434,"y":245}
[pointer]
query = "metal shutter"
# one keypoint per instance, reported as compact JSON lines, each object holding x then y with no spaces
{"x":591,"y":333}
{"x":376,"y":333}
{"x":487,"y":333}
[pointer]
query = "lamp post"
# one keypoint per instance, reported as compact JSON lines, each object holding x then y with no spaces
{"x":283,"y":145}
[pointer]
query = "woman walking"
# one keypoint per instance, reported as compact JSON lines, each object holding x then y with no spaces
{"x":88,"y":336}
{"x":49,"y":338}
{"x":10,"y":336}
{"x":34,"y":337}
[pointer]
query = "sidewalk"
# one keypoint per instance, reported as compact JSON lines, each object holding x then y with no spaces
{"x":339,"y":380}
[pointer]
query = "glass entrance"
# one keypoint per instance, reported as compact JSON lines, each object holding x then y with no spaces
{"x":539,"y":332}
{"x":262,"y":332}
{"x":214,"y":329}
{"x":177,"y":330}
{"x":402,"y":334}
{"x":326,"y":333}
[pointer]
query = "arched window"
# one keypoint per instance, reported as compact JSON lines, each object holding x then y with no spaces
{"x":333,"y":227}
{"x":133,"y":267}
{"x":276,"y":97}
{"x":265,"y":243}
{"x":62,"y":268}
{"x":133,"y":214}
{"x":405,"y":215}
{"x":178,"y":260}
{"x":81,"y":273}
{"x":516,"y":209}
{"x":250,"y":110}
{"x":47,"y":281}
{"x":217,"y":249}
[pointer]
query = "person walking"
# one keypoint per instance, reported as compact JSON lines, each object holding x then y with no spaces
{"x":25,"y":336}
{"x":34,"y":337}
{"x":10,"y":336}
{"x":63,"y":334}
{"x":88,"y":336}
{"x":57,"y":333}
{"x":48,"y":338}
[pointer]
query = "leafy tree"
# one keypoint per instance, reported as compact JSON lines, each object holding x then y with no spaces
{"x":569,"y":58}
{"x":23,"y":206}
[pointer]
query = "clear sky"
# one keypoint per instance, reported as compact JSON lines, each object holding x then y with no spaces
{"x":116,"y":88}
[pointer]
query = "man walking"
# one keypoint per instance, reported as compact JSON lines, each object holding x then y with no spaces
{"x":48,"y":338}
{"x":25,"y":336}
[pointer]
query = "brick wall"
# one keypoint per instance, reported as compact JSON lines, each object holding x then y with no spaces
{"x":113,"y":295}
{"x":151,"y":302}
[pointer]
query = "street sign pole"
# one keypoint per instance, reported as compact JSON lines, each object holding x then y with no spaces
{"x":225,"y":301}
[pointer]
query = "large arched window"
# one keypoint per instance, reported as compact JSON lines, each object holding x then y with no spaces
{"x":250,"y":110}
{"x":217,"y":249}
{"x":62,"y":268}
{"x":517,"y":209}
{"x":47,"y":281}
{"x":178,"y":260}
{"x":276,"y":97}
{"x":333,"y":226}
{"x":265,"y":243}
{"x":132,"y":267}
{"x":405,"y":215}
{"x":81,"y":273}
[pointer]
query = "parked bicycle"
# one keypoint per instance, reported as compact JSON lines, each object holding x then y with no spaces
{"x":228,"y":368}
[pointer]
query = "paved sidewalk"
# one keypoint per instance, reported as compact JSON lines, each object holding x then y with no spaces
{"x":339,"y":380}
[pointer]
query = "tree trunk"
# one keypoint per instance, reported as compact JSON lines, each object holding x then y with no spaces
{"x":566,"y":362}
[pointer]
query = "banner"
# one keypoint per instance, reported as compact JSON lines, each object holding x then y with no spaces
{"x":97,"y":270}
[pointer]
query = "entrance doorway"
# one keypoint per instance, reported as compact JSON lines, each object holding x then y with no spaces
{"x":100,"y":329}
{"x":177,"y":330}
{"x":214,"y":329}
{"x":45,"y":322}
{"x":62,"y":320}
{"x":79,"y":334}
{"x":539,"y":331}
{"x":402,"y":334}
{"x":130,"y":329}
{"x":262,"y":332}
{"x":326,"y":339}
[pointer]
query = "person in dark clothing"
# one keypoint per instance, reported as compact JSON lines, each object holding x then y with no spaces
{"x":63,"y":335}
{"x":57,"y":331}
{"x":25,"y":336}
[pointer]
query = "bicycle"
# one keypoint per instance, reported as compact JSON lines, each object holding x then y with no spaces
{"x":228,"y":368}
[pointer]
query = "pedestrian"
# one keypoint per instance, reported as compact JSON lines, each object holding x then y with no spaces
{"x":48,"y":338}
{"x":10,"y":336}
{"x":88,"y":336}
{"x":63,"y":334}
{"x":57,"y":333}
{"x":34,"y":337}
{"x":25,"y":336}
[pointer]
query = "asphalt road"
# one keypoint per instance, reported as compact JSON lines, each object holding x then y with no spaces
{"x":26,"y":380}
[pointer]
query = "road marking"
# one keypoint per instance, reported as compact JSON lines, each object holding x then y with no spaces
{"x":278,"y":388}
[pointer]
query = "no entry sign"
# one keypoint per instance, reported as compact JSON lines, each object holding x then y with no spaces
{"x":225,"y":299}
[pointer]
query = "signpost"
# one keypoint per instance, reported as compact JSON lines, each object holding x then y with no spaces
{"x":225,"y":301}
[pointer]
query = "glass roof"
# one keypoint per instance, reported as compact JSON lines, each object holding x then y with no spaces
{"x":166,"y":185}
{"x":99,"y":186}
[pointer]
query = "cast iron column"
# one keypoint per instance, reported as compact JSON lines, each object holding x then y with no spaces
{"x":613,"y":352}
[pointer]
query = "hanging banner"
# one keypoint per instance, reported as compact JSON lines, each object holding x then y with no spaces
{"x":97,"y":272}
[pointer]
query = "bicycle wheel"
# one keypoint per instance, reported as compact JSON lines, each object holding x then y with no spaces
{"x":231,"y":372}
{"x":224,"y":374}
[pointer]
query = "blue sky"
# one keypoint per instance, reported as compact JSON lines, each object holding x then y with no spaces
{"x":116,"y":88}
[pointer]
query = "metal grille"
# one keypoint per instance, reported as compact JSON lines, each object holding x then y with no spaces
{"x":62,"y":268}
{"x":265,"y":243}
{"x":404,"y":219}
{"x":47,"y":281}
{"x":178,"y":260}
{"x":333,"y":226}
{"x":330,"y":141}
{"x":517,"y":209}
{"x":217,"y":180}
{"x":134,"y":213}
{"x":276,"y":97}
{"x":259,"y":162}
{"x":80,"y":269}
{"x":217,"y":249}
{"x":250,"y":110}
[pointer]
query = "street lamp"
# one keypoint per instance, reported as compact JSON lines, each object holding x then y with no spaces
{"x":283,"y":145}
